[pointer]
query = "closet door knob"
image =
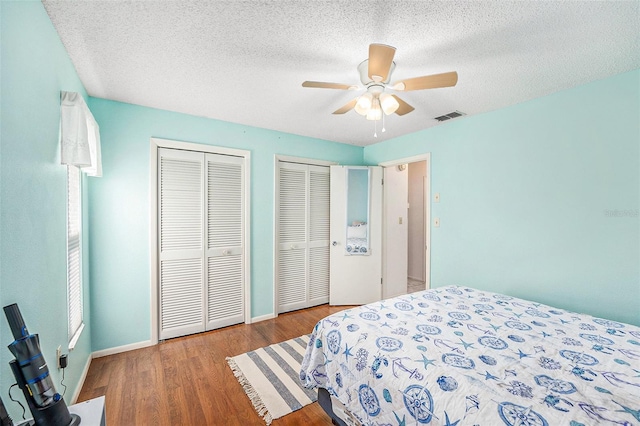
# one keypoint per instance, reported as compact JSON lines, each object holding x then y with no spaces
{"x":225,"y":252}
{"x":335,"y":243}
{"x":293,"y":246}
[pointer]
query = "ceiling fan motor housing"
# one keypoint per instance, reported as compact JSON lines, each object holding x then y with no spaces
{"x":363,"y":69}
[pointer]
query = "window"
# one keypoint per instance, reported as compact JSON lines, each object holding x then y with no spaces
{"x":74,"y":255}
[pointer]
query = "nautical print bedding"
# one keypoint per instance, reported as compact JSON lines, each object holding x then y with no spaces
{"x":459,"y":356}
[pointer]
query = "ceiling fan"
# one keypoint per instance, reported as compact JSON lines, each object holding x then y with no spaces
{"x":375,"y":74}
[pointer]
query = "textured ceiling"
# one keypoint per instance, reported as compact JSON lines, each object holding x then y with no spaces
{"x":244,"y":61}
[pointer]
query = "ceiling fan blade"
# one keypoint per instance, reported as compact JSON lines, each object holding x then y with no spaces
{"x":434,"y":81}
{"x":404,"y":107}
{"x":348,"y":107}
{"x":323,"y":85}
{"x":380,"y":60}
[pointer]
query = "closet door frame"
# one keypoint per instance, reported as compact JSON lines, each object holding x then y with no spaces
{"x":155,"y":144}
{"x":276,"y":211}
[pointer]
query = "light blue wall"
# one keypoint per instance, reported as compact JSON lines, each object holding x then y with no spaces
{"x":35,"y":68}
{"x":119,"y":204}
{"x":526,"y":193}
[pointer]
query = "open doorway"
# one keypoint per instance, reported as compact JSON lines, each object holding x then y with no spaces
{"x":416,"y":223}
{"x":406,"y":244}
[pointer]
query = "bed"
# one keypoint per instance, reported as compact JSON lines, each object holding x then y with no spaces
{"x":459,"y":356}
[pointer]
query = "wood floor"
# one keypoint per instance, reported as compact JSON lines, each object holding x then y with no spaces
{"x":415,"y":285}
{"x":186,"y":381}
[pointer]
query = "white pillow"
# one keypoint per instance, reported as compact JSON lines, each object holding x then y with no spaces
{"x":359,"y":231}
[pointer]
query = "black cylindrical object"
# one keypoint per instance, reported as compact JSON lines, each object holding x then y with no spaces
{"x":54,"y":414}
{"x":32,"y":375}
{"x":34,"y":369}
{"x":16,"y":322}
{"x":26,"y":349}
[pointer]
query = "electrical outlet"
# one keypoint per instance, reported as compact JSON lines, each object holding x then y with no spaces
{"x":436,"y":222}
{"x":58,"y":353}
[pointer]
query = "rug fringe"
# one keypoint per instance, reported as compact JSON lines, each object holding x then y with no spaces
{"x":250,"y":391}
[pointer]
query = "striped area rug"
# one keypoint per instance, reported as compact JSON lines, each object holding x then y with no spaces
{"x":270,"y":377}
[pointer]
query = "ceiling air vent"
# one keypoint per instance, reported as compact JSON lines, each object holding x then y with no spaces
{"x":453,"y":114}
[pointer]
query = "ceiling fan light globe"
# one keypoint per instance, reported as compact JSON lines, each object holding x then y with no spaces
{"x":363,"y":106}
{"x":388,"y":103}
{"x":360,"y":110}
{"x":375,"y":113}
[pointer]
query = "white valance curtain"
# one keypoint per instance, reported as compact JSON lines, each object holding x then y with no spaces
{"x":80,"y":134}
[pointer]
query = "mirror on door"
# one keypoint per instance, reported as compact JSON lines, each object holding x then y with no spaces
{"x":357,"y":210}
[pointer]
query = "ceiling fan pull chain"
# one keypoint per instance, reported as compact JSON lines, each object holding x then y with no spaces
{"x":383,"y":129}
{"x":375,"y":128}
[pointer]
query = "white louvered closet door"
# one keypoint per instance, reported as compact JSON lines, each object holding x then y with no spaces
{"x":180,"y":187}
{"x":224,"y":236}
{"x":303,"y":236}
{"x":319,"y":186}
{"x":292,"y":237}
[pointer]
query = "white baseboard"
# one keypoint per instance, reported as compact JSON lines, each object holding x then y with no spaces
{"x":80,"y":384}
{"x":262,"y":318}
{"x":123,"y":348}
{"x":146,"y":343}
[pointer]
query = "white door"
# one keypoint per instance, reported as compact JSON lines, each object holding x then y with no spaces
{"x":201,"y":241}
{"x":302,"y":231}
{"x":355,"y":279}
{"x":181,"y":282}
{"x":318,"y":260}
{"x":292,"y":237}
{"x":224,"y":212}
{"x":396,"y":220}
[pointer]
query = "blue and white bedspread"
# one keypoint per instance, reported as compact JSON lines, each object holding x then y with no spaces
{"x":459,"y":356}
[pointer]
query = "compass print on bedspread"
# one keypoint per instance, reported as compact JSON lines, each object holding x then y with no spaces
{"x":516,"y":415}
{"x":418,"y":401}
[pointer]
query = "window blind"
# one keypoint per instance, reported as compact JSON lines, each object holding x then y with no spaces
{"x":74,"y":258}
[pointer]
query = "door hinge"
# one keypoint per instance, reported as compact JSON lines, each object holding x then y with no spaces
{"x":383,"y":181}
{"x":380,"y":281}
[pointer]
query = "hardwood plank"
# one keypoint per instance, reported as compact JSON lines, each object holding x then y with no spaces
{"x":186,"y":380}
